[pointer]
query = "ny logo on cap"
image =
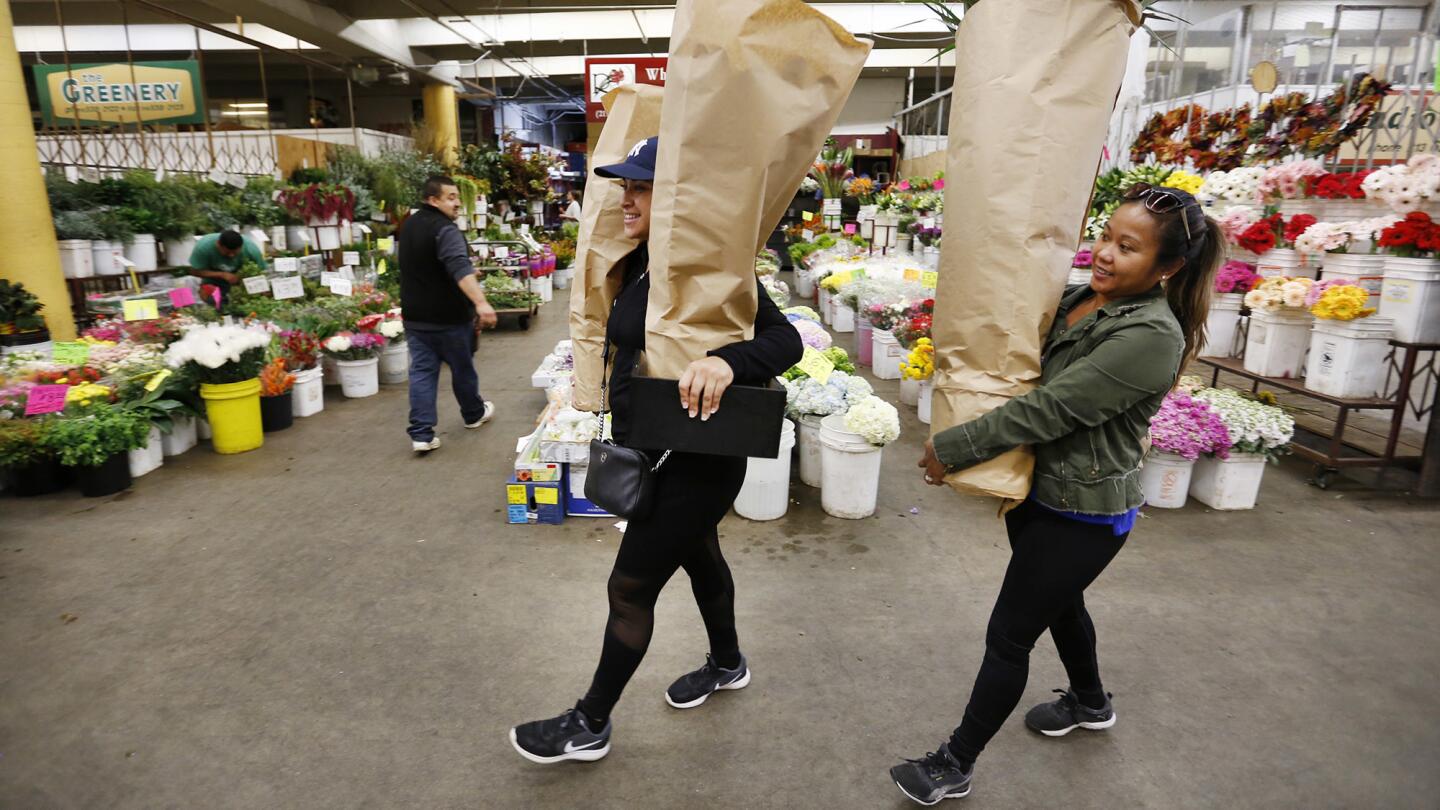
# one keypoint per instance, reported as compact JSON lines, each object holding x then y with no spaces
{"x":635,"y":150}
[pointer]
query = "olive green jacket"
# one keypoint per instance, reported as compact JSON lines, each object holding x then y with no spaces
{"x":1089,"y":419}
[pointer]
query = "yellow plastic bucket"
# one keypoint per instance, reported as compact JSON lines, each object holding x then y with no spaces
{"x":233,"y":410}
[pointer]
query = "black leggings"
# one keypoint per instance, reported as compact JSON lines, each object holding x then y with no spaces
{"x":693,"y":493}
{"x":1053,"y":559}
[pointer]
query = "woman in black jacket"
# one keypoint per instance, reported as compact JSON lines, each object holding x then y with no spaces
{"x":693,"y":492}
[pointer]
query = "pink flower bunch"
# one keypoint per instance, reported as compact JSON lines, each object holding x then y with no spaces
{"x":1235,"y":276}
{"x":1189,"y":428}
{"x":1235,"y":221}
{"x":367,"y":340}
{"x":1287,"y":180}
{"x":108,"y":331}
{"x":1083,"y":259}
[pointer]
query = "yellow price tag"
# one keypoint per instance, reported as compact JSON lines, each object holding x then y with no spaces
{"x":844,"y":278}
{"x":144,"y":309}
{"x":547,"y":495}
{"x":817,"y":365}
{"x":930,"y":279}
{"x":387,"y":244}
{"x":157,"y":379}
{"x":912,"y":274}
{"x":380,"y":268}
{"x":807,"y":216}
{"x":516,"y":494}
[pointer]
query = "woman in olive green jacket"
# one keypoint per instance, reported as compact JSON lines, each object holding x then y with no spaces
{"x":1115,"y":350}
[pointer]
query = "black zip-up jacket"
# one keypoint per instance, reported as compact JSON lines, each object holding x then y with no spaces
{"x":774,"y":349}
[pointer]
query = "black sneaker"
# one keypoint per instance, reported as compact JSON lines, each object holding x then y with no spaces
{"x":934,"y":777}
{"x":561,"y":738}
{"x":1063,"y":716}
{"x":694,"y":688}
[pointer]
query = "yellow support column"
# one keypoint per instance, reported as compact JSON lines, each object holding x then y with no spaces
{"x":31,"y":256}
{"x":441,"y":118}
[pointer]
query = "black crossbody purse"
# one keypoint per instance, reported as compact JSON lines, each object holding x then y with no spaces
{"x":620,"y":480}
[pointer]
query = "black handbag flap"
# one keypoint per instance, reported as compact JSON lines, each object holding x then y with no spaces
{"x":747,"y":424}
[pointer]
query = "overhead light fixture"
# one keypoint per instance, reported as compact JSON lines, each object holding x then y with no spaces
{"x":242,"y":113}
{"x":248,"y":105}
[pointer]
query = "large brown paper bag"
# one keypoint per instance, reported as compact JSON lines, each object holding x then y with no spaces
{"x":752,"y":90}
{"x":1035,"y":83}
{"x":633,"y":115}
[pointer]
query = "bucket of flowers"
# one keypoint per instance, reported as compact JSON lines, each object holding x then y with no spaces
{"x":1180,"y":432}
{"x":919,"y":370}
{"x":852,"y":445}
{"x":1411,"y":290}
{"x":357,"y":358}
{"x":1234,"y":279}
{"x":276,"y":391}
{"x":1279,"y":326}
{"x":395,"y":359}
{"x":226,"y":362}
{"x":1259,"y":433}
{"x":1348,"y":346}
{"x":808,"y":401}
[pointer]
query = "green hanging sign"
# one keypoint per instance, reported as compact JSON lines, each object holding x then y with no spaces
{"x":103,"y":94}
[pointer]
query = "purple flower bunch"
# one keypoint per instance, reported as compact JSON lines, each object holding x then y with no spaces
{"x":367,"y":340}
{"x":1189,"y":428}
{"x":928,"y":236}
{"x":1235,"y":276}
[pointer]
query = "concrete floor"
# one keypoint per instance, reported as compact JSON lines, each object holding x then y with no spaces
{"x":331,"y":623}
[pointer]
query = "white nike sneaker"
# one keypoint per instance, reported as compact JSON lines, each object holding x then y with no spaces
{"x":425,"y":447}
{"x":489,"y":412}
{"x":567,"y":737}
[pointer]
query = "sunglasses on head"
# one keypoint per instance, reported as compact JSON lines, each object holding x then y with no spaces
{"x":1159,"y":200}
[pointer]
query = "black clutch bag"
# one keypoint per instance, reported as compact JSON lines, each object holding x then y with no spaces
{"x":747,"y":424}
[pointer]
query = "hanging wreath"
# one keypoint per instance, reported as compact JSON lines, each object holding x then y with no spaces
{"x":1158,"y":135}
{"x":1320,"y":132}
{"x":1222,"y":141}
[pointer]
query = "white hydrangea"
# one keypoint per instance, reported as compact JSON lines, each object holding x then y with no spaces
{"x":874,"y":419}
{"x":214,"y":345}
{"x":392,"y":330}
{"x":337,"y":343}
{"x":806,"y":395}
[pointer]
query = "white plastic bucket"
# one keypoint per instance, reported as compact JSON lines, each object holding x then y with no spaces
{"x":202,"y":429}
{"x":1365,"y":270}
{"x":1221,"y":323}
{"x":1165,"y":479}
{"x":909,"y":391}
{"x":142,"y":252}
{"x":1347,"y":358}
{"x":76,"y":260}
{"x":326,"y":232}
{"x":330,"y":371}
{"x":864,"y":331}
{"x":147,"y":459}
{"x":844,"y":317}
{"x":1283,"y":262}
{"x":825,"y":297}
{"x":1289,"y":208}
{"x":184,"y":433}
{"x":765,"y":495}
{"x":106,"y":257}
{"x":809,"y":441}
{"x":850,"y":476}
{"x":395,"y":364}
{"x":359,"y":378}
{"x":1232,"y":483}
{"x":886,"y":355}
{"x":1276,"y":343}
{"x":308,"y":398}
{"x":541,"y":287}
{"x":804,"y":284}
{"x":1411,"y":296}
{"x":561,"y":278}
{"x":927,"y":393}
{"x":296,"y":237}
{"x":277,"y":236}
{"x":177,"y":251}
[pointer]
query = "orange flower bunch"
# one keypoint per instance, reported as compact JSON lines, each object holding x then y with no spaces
{"x":274,"y":379}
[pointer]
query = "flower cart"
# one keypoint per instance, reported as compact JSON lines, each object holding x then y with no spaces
{"x":512,"y":259}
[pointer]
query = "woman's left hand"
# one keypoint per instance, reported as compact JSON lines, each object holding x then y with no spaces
{"x":702,"y":384}
{"x":934,"y":468}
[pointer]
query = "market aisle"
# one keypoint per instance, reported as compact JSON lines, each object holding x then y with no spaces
{"x":328,"y":622}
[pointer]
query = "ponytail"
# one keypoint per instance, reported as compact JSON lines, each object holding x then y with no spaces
{"x":1188,"y":291}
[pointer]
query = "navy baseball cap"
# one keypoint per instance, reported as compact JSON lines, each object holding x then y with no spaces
{"x":638,"y":165}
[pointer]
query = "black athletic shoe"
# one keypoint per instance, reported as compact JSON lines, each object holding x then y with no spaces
{"x":562,"y":738}
{"x":694,"y":688}
{"x":932,"y":778}
{"x":1063,"y":716}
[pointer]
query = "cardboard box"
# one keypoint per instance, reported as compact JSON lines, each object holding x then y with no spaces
{"x":535,"y":501}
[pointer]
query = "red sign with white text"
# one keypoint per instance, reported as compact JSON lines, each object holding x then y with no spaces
{"x":603,"y":74}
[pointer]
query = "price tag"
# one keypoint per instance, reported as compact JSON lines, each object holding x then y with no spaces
{"x":73,"y":353}
{"x":238,"y":180}
{"x":258,"y":235}
{"x":327,"y":276}
{"x":362,"y":227}
{"x":351,"y":257}
{"x":525,"y":229}
{"x":502,"y":252}
{"x":817,"y":365}
{"x":155,"y":381}
{"x":844,"y":278}
{"x":287,"y":264}
{"x":911,"y":274}
{"x":550,"y":495}
{"x":289,"y":287}
{"x":927,"y":222}
{"x":807,"y":216}
{"x":860,"y":273}
{"x":145,"y":309}
{"x":219,"y":176}
{"x":341,"y":286}
{"x":850,"y":228}
{"x":516,"y":494}
{"x":386,"y":244}
{"x":929,"y":278}
{"x":347,"y":273}
{"x":380,"y":268}
{"x":257,"y":284}
{"x":45,"y":399}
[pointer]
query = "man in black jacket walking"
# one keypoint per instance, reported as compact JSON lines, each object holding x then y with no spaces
{"x":444,"y":308}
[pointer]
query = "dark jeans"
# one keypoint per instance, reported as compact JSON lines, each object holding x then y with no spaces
{"x":455,"y":347}
{"x":1053,"y":559}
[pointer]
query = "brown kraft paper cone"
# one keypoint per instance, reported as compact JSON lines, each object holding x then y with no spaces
{"x":1035,"y":83}
{"x":752,"y":90}
{"x":633,"y":114}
